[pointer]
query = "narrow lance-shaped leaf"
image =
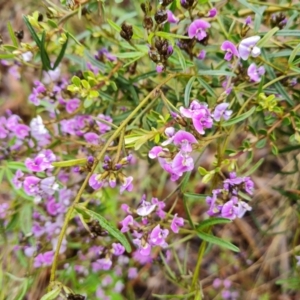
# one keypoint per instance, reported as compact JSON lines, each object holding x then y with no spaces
{"x":32,"y":32}
{"x":187,"y":91}
{"x":217,"y":241}
{"x":106,"y":225}
{"x":12,"y":34}
{"x":239,"y":118}
{"x":61,"y":53}
{"x":44,"y":55}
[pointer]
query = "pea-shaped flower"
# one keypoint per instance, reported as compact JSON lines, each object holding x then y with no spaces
{"x":197,"y":29}
{"x":248,"y":47}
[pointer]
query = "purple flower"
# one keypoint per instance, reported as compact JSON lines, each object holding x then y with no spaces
{"x":184,"y":140}
{"x":255,"y":72}
{"x":103,"y":128}
{"x":127,"y":185}
{"x":44,"y":259}
{"x":221,"y":112}
{"x":248,"y":47}
{"x":3,"y":210}
{"x":104,"y":52}
{"x":101,"y":264}
{"x":242,"y":208}
{"x":145,"y":208}
{"x":18,"y":179}
{"x":201,"y":54}
{"x":156,"y":151}
{"x":200,"y":115}
{"x":144,"y":248}
{"x":160,"y":205}
{"x":172,"y":18}
{"x":31,"y":185}
{"x":117,"y":249}
{"x":48,"y":185}
{"x":21,"y":131}
{"x":248,"y":21}
{"x":159,"y":68}
{"x":182,"y":163}
{"x":91,"y":138}
{"x":230,"y":49}
{"x":127,"y":223}
{"x":197,"y":29}
{"x":95,"y":182}
{"x":158,"y":236}
{"x":229,"y":210}
{"x":132,"y":273}
{"x":72,"y":105}
{"x":41,"y":162}
{"x":212,"y":13}
{"x":176,"y":223}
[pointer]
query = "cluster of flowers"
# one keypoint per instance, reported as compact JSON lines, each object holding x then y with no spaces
{"x":112,"y":262}
{"x":33,"y":185}
{"x":227,"y":202}
{"x":14,"y":134}
{"x":112,"y":173}
{"x":145,"y":230}
{"x":227,"y":293}
{"x":180,"y":161}
{"x":246,"y":48}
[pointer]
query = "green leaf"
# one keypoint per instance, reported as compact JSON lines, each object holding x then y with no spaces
{"x":44,"y":55}
{"x":187,"y":91}
{"x":76,"y":81}
{"x":239,"y":118}
{"x":180,"y":58}
{"x":202,"y":171}
{"x":254,"y":167}
{"x":206,"y":86}
{"x":106,"y":225}
{"x":216,"y":73}
{"x":187,"y":212}
{"x":217,"y":241}
{"x":7,"y":56}
{"x":261,"y":143}
{"x":195,"y":196}
{"x":278,"y":86}
{"x":52,"y":295}
{"x":251,"y":7}
{"x":295,"y":52}
{"x":267,"y":36}
{"x":212,"y":221}
{"x":61,"y":53}
{"x":288,"y":32}
{"x":258,"y":18}
{"x":17,"y":165}
{"x":69,"y":163}
{"x":170,"y":36}
{"x":114,"y":25}
{"x":130,"y":54}
{"x":12,"y":34}
{"x":32,"y":32}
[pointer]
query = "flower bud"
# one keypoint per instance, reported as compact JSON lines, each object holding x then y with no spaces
{"x":161,"y":16}
{"x":166,"y":2}
{"x":126,"y":32}
{"x":146,"y":8}
{"x":147,"y":23}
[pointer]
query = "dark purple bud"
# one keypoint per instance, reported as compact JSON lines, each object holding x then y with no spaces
{"x":161,"y":16}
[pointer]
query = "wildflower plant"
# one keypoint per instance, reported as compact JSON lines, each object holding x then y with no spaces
{"x":149,"y":124}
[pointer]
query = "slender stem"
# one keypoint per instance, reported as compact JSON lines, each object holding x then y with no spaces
{"x":121,"y":141}
{"x":197,"y":268}
{"x":99,"y":158}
